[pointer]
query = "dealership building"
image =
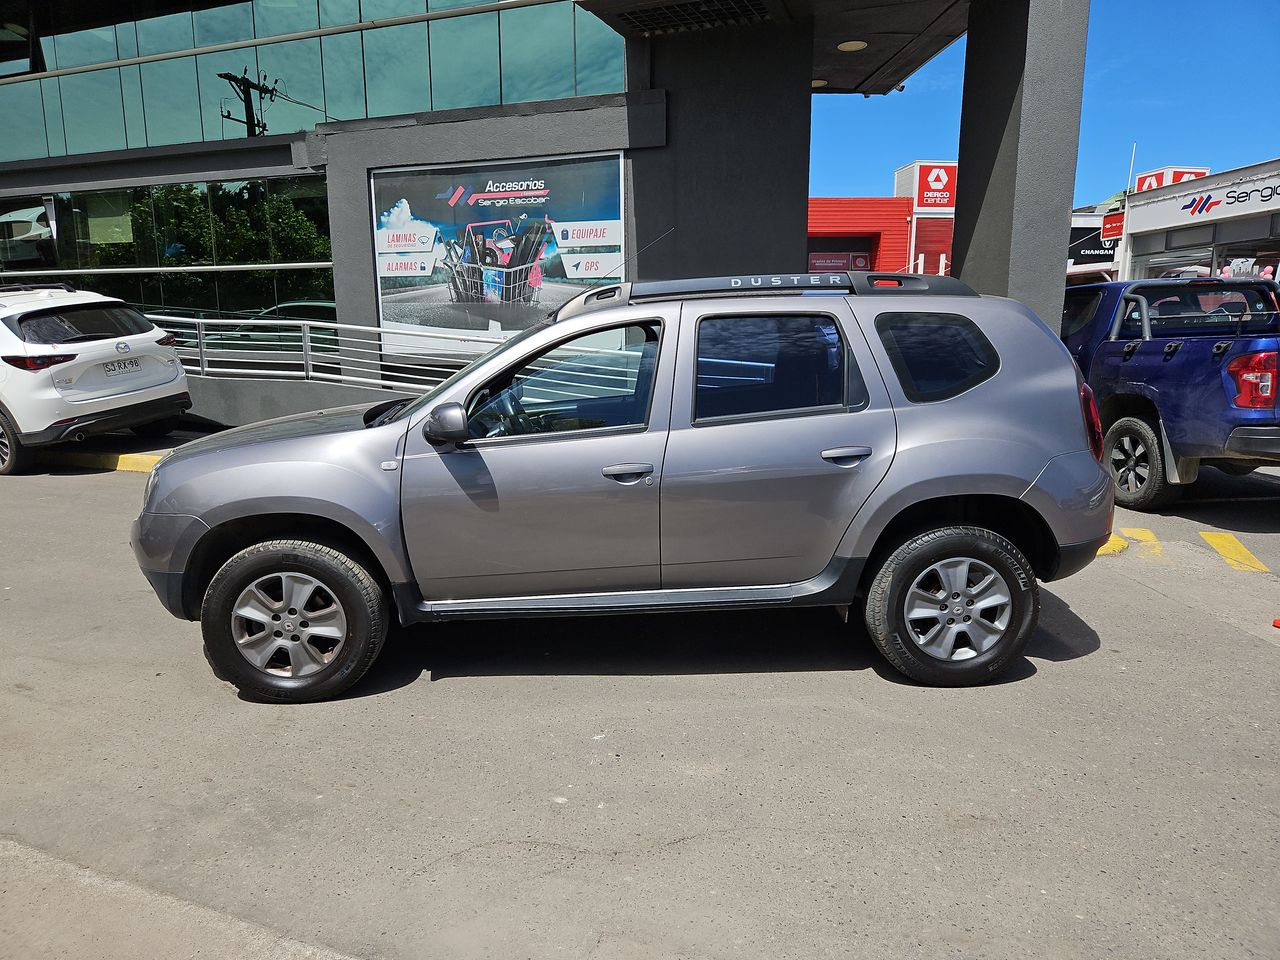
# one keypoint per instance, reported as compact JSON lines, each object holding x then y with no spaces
{"x":411,"y":163}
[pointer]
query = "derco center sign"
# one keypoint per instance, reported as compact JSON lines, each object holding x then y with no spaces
{"x":936,"y":188}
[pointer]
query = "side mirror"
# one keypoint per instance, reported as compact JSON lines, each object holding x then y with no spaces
{"x":446,"y":423}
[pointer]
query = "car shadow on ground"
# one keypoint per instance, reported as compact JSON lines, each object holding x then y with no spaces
{"x":1249,"y":504}
{"x":759,"y":641}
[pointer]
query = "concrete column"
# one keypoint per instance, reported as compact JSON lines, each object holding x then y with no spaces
{"x":1019,"y":133}
{"x":733,"y":176}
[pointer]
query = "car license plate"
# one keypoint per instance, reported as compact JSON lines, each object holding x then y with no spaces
{"x":115,"y":368}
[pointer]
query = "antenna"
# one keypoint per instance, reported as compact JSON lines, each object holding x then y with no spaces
{"x":585,"y":290}
{"x":625,"y":263}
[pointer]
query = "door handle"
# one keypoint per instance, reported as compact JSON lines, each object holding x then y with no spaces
{"x":845,"y":456}
{"x":627,"y":472}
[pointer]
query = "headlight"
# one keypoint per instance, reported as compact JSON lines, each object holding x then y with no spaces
{"x":151,"y":485}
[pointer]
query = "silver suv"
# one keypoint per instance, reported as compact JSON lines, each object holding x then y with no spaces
{"x":891,"y":443}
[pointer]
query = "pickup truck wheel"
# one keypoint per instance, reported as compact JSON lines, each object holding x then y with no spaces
{"x":292,"y":621}
{"x":14,"y":457}
{"x":953,"y":607}
{"x":1135,"y":459}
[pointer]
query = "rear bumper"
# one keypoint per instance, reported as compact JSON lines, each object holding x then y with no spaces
{"x":1074,"y":557}
{"x":1255,"y":442}
{"x":106,"y":421}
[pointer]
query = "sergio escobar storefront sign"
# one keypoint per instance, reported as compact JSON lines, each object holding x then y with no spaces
{"x":493,"y":248}
{"x":1205,"y":203}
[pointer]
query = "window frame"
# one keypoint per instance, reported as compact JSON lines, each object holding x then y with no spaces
{"x":851,"y":366}
{"x":527,"y":359}
{"x":902,"y":374}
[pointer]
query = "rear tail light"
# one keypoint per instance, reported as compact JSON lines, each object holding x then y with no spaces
{"x":168,"y":340}
{"x":38,"y":363}
{"x":1255,"y":378}
{"x":1092,"y":421}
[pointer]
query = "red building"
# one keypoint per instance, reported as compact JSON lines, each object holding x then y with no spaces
{"x":907,"y":233}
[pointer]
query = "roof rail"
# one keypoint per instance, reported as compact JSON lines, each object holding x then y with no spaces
{"x":859,"y":283}
{"x":26,"y":287}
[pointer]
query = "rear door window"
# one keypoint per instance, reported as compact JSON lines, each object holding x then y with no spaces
{"x":1205,"y":309}
{"x":80,"y":324}
{"x":1078,"y":310}
{"x":753,"y":365}
{"x":936,"y":355}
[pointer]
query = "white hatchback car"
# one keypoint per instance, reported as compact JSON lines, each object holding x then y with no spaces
{"x":78,"y":363}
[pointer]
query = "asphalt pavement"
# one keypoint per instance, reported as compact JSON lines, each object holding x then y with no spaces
{"x":701,"y":786}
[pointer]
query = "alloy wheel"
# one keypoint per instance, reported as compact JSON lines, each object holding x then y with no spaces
{"x":288,"y":624}
{"x":958,"y":608}
{"x":6,"y":451}
{"x":1130,"y":463}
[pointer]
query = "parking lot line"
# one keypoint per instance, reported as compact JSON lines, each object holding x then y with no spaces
{"x":1113,"y":546}
{"x":1234,"y":552}
{"x":131,"y":462}
{"x":1148,"y":543}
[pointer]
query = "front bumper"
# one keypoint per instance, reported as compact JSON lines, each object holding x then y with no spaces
{"x":107,"y":421}
{"x":1260,"y":443}
{"x":162,"y":543}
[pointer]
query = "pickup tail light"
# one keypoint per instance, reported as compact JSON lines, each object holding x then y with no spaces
{"x":168,"y":340}
{"x":1255,"y":378}
{"x":39,"y":363}
{"x":1092,"y":421}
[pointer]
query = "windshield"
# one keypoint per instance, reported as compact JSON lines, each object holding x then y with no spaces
{"x":427,"y":399}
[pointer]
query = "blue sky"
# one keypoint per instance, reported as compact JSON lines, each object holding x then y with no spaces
{"x":1143,"y":82}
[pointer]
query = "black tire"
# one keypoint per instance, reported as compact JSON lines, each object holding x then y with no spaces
{"x":156,"y":429}
{"x":14,"y":456}
{"x":361,"y":599}
{"x":1131,"y":448}
{"x":894,"y":634}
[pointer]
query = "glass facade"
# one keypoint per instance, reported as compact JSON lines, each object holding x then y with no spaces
{"x":532,"y":53}
{"x":243,"y":238}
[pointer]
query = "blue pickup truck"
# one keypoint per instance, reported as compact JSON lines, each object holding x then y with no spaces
{"x":1184,"y":372}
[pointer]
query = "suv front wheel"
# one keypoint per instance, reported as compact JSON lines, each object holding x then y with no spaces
{"x":954,"y":606}
{"x":292,"y":621}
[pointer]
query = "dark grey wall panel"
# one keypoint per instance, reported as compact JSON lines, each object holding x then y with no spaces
{"x":1019,"y":133}
{"x":733,"y":177}
{"x":181,"y":163}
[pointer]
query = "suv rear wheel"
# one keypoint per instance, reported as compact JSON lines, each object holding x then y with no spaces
{"x":292,"y":621}
{"x":954,"y":606}
{"x":14,"y":457}
{"x":1135,"y":459}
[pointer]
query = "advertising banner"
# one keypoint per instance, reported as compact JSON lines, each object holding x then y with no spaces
{"x":493,"y":248}
{"x":1087,"y":246}
{"x":1113,"y":226}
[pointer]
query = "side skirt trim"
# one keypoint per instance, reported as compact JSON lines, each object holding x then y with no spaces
{"x":837,"y":585}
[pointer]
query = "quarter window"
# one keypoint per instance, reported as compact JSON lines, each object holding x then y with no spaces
{"x":1078,"y":310}
{"x":593,"y":382}
{"x":936,"y":355}
{"x":751,"y":365}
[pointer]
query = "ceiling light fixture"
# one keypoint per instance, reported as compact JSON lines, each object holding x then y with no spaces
{"x":851,"y":46}
{"x":816,"y":84}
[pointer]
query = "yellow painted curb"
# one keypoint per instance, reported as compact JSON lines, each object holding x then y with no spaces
{"x":1113,"y":546}
{"x":130,"y":462}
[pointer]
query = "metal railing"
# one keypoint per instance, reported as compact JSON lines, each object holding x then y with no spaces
{"x":401,"y":359}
